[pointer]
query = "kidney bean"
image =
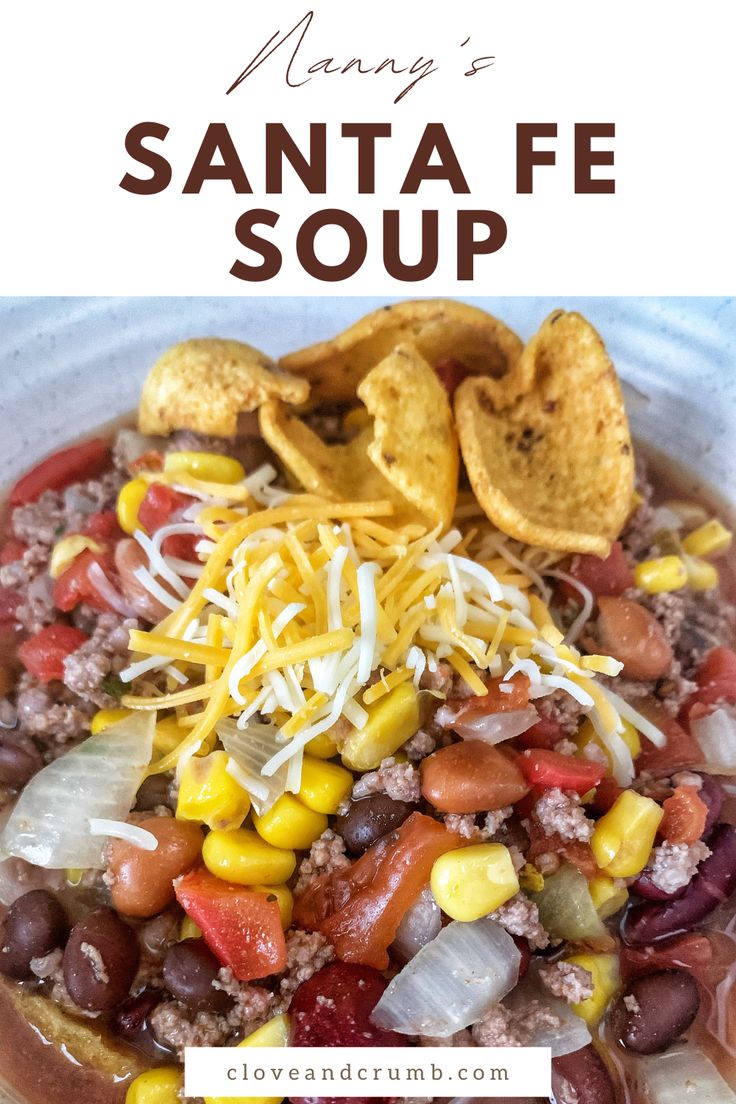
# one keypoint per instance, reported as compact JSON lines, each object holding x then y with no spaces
{"x":100,"y":961}
{"x":645,"y":887}
{"x":633,"y":635}
{"x":471,"y":777}
{"x":142,"y":881}
{"x":189,"y":971}
{"x":131,"y":1022}
{"x":19,"y":761}
{"x":713,"y":796}
{"x":714,"y":882}
{"x":369,"y":819}
{"x":667,"y":1002}
{"x":154,"y":791}
{"x":582,"y":1078}
{"x":35,"y":924}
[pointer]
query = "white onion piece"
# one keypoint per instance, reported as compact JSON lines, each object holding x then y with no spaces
{"x":493,"y":728}
{"x":50,"y":824}
{"x":130,"y":445}
{"x":681,"y":1076}
{"x":716,"y":734}
{"x":568,"y":1035}
{"x":249,"y":750}
{"x":421,"y":923}
{"x":452,"y":981}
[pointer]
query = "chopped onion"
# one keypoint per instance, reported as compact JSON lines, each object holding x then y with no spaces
{"x":493,"y":728}
{"x":249,"y":750}
{"x":681,"y":1076}
{"x":565,"y":1036}
{"x":421,"y":923}
{"x":50,"y":824}
{"x":566,"y":908}
{"x":130,"y":445}
{"x":452,"y":981}
{"x":716,"y":734}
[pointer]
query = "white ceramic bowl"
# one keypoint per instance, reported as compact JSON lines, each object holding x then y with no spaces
{"x":69,"y":365}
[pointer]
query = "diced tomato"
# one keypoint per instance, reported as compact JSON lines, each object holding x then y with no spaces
{"x":606,"y":793}
{"x":610,"y":576}
{"x":495,"y":700}
{"x":103,"y":526}
{"x":43,"y":655}
{"x":575,"y":852}
{"x":75,"y":586}
{"x":691,"y":952}
{"x":680,"y":752}
{"x":12,"y":551}
{"x":544,"y":734}
{"x":82,"y":461}
{"x":547,"y":769}
{"x":181,"y":545}
{"x":9,"y":602}
{"x":452,"y":373}
{"x":716,"y":680}
{"x":685,"y":814}
{"x":241,"y":927}
{"x":147,"y":461}
{"x":360,"y":908}
{"x":160,"y":502}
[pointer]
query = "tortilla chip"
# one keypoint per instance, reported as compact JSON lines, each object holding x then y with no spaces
{"x":438,"y":328}
{"x":205,"y":383}
{"x":408,"y":452}
{"x":548,"y":450}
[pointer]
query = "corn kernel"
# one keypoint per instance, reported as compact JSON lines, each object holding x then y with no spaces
{"x":66,"y":551}
{"x":322,"y":746}
{"x":624,"y":836}
{"x":284,"y":898}
{"x":710,"y":539}
{"x":74,"y":875}
{"x":473,"y":881}
{"x":356,"y":419}
{"x":605,"y":973}
{"x":289,"y":823}
{"x":209,"y":795}
{"x":530,"y":880}
{"x":607,"y":897}
{"x":274,"y":1033}
{"x":167,"y":735}
{"x":391,"y":721}
{"x":324,"y":786}
{"x":661,"y":575}
{"x":242,"y":856}
{"x":587,"y":734}
{"x":209,"y":466}
{"x":189,"y":930}
{"x":130,"y":497}
{"x":701,"y":575}
{"x":156,"y":1086}
{"x":104,"y":718}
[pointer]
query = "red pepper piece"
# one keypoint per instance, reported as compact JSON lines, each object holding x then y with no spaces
{"x":603,"y":577}
{"x":75,"y":586}
{"x":83,"y":461}
{"x":44,"y":654}
{"x":716,"y":680}
{"x":547,"y":769}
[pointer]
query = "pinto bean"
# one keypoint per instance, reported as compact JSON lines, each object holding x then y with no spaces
{"x":190,"y":968}
{"x":369,"y":819}
{"x":582,"y":1078}
{"x":633,"y":635}
{"x":713,"y":883}
{"x":661,"y":1007}
{"x":142,"y":881}
{"x":36,"y":923}
{"x":471,"y":777}
{"x":100,"y":961}
{"x":129,"y":556}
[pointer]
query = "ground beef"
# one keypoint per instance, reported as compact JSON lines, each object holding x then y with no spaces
{"x":467,"y":824}
{"x":186,"y":440}
{"x":105,"y":653}
{"x":419,"y":746}
{"x":709,"y":620}
{"x":460,"y":1038}
{"x":502,"y":1026}
{"x":441,"y":681}
{"x":560,"y":814}
{"x":638,"y":536}
{"x":399,"y":780}
{"x":52,"y":714}
{"x":674,"y":864}
{"x":326,"y":855}
{"x":567,"y":980}
{"x":306,"y":953}
{"x":520,"y":916}
{"x":175,"y":1026}
{"x":559,"y":706}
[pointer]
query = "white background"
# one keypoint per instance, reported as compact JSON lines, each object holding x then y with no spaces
{"x":76,"y":76}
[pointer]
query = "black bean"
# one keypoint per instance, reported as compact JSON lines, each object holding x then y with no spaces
{"x":132,"y":1023}
{"x":367,"y":820}
{"x":582,"y":1078}
{"x":189,"y":971}
{"x":100,"y":961}
{"x":154,"y":791}
{"x":19,"y":761}
{"x":714,"y":883}
{"x":713,"y":796}
{"x":661,"y":1006}
{"x":35,"y":924}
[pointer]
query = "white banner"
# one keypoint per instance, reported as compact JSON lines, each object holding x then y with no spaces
{"x":369,"y":1071}
{"x":320,"y":147}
